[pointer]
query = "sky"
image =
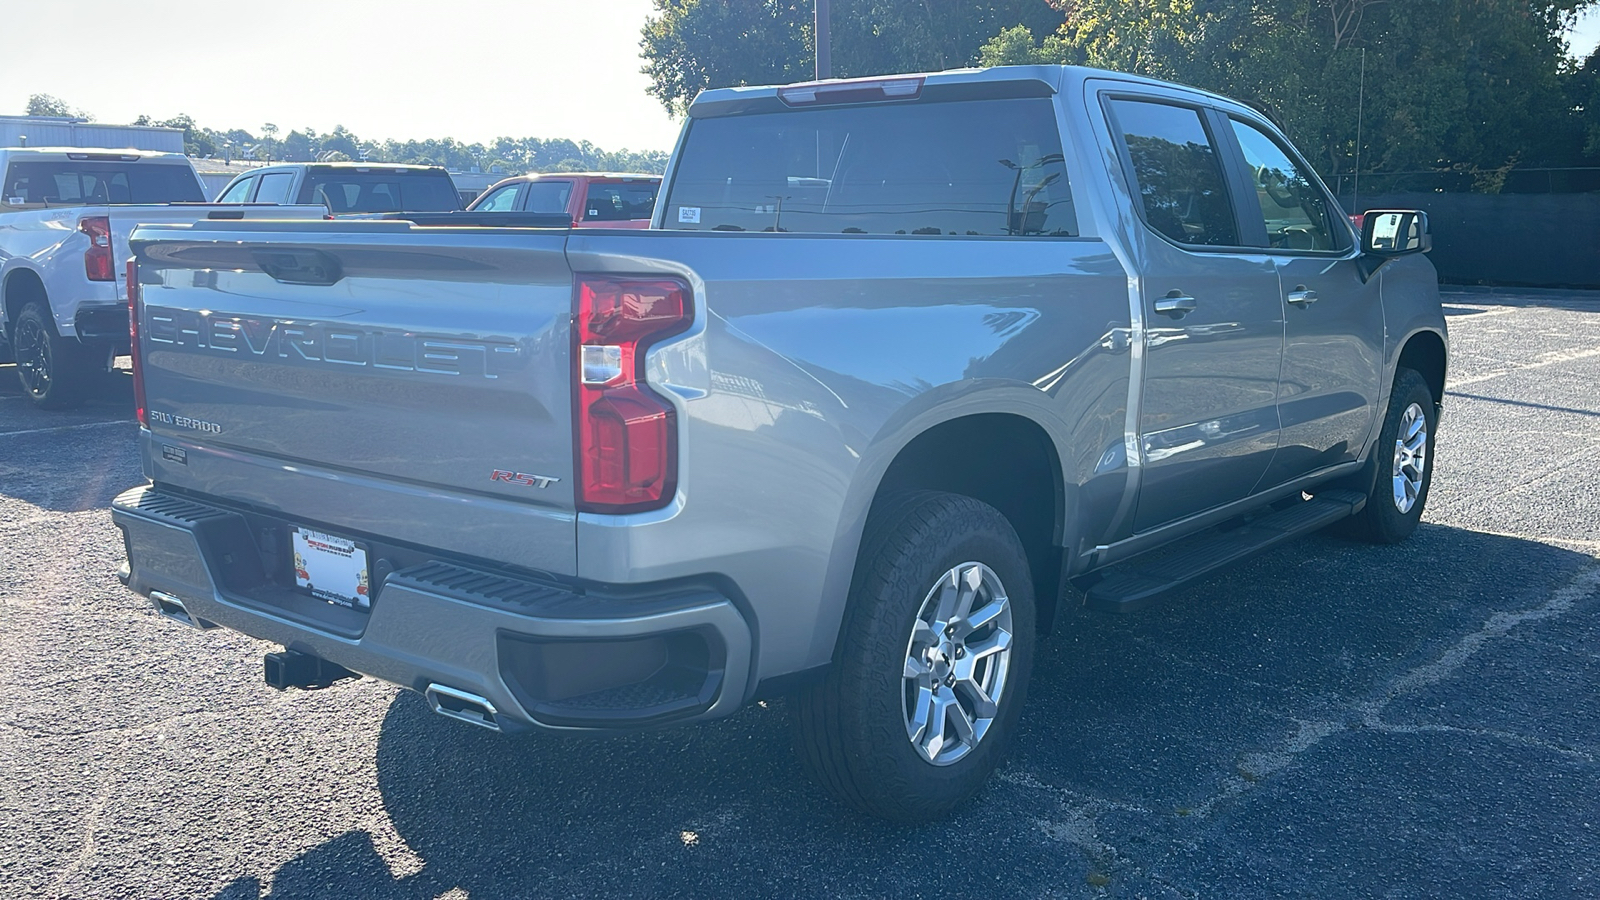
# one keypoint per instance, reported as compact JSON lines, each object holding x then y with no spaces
{"x":390,"y":69}
{"x":1585,"y":35}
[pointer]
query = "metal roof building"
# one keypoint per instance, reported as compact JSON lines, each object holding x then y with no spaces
{"x":57,"y":131}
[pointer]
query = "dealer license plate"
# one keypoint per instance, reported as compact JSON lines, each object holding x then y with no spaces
{"x":331,"y":568}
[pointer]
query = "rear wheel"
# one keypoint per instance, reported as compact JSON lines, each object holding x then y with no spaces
{"x":933,"y":662}
{"x":55,"y":372}
{"x":1405,"y":464}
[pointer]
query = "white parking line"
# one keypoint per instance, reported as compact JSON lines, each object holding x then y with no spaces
{"x":66,"y":427}
{"x":1548,"y":359}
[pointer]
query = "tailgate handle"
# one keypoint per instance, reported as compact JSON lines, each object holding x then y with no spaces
{"x":299,"y":266}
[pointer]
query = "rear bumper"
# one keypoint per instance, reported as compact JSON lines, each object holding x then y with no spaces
{"x":545,"y":655}
{"x":103,"y":323}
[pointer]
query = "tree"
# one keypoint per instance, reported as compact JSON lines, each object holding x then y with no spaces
{"x":1585,"y":93}
{"x":196,"y":141}
{"x":691,"y":45}
{"x":1474,"y":86}
{"x":340,"y":140}
{"x":46,"y":105}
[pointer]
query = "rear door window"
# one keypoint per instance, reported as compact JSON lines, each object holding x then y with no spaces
{"x":1177,"y":172}
{"x":1298,"y":215}
{"x":619,"y":201}
{"x":547,"y":196}
{"x":978,"y":167}
{"x":275,"y":187}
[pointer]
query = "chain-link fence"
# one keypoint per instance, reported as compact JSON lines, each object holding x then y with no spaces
{"x":1566,"y":180}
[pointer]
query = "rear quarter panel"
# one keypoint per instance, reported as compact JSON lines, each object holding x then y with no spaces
{"x":814,"y":360}
{"x":47,"y":243}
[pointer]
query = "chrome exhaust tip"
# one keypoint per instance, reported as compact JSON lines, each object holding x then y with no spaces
{"x":447,"y":701}
{"x":173,"y":608}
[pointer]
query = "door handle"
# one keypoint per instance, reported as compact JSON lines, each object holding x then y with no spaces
{"x":1301,"y":297}
{"x":1176,"y":304}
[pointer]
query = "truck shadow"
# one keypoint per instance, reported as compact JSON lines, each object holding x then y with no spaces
{"x":1150,"y":712}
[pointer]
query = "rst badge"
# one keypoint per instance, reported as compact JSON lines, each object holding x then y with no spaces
{"x":523,"y":478}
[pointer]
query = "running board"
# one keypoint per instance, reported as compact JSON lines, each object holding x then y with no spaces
{"x":1135,"y":588}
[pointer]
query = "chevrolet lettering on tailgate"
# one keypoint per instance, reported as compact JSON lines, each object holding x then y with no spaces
{"x":314,"y":343}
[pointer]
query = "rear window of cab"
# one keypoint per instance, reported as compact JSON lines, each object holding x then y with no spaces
{"x":93,"y":183}
{"x":971,"y":167}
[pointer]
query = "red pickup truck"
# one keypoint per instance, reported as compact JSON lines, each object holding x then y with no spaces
{"x":592,"y":199}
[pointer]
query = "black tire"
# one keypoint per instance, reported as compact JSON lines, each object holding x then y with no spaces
{"x":1382,"y":521}
{"x":55,"y":372}
{"x":850,"y":729}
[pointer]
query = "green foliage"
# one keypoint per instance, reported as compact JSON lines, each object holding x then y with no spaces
{"x":513,"y":156}
{"x":46,"y":105}
{"x":1478,"y":87}
{"x":691,"y":45}
{"x":1584,"y":97}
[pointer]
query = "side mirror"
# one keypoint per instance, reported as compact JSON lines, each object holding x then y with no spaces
{"x":1395,"y":232}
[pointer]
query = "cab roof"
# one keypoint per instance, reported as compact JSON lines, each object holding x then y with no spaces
{"x":992,"y":82}
{"x":121,"y":154}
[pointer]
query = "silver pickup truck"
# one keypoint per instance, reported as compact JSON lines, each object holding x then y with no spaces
{"x":904,"y":365}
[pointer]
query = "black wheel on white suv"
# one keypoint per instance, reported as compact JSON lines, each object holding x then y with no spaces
{"x":933,"y":661}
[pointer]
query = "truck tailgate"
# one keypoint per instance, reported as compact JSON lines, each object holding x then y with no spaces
{"x":124,"y":219}
{"x":367,"y":377}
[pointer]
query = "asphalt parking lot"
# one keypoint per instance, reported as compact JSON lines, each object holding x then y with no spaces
{"x":1326,"y":720}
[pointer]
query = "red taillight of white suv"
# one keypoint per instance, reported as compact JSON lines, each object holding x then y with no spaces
{"x":97,"y":262}
{"x":626,"y":438}
{"x":134,"y":300}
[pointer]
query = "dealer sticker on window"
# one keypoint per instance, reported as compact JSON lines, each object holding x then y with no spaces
{"x":332,"y":568}
{"x":689,"y":215}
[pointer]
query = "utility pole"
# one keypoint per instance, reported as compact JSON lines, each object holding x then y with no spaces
{"x":824,"y":51}
{"x":1361,"y":97}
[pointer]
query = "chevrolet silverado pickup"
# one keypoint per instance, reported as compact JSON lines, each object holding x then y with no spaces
{"x":904,"y":366}
{"x":65,"y":217}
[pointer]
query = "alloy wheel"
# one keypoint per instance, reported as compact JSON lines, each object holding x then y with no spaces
{"x":32,"y":353}
{"x":1410,"y":457}
{"x":956,"y":663}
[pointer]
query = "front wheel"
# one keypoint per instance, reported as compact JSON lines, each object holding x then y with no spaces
{"x":933,"y":662}
{"x":1405,"y":464}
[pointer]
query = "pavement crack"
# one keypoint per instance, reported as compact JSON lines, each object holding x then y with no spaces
{"x":91,"y":824}
{"x":1578,"y":753}
{"x":1256,"y":767}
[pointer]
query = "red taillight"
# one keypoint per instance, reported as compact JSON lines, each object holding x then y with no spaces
{"x":97,"y":263}
{"x":626,"y":439}
{"x":134,"y":308}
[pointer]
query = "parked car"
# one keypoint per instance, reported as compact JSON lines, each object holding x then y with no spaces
{"x":65,"y":217}
{"x":348,"y":189}
{"x":591,"y":199}
{"x":906,"y":365}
